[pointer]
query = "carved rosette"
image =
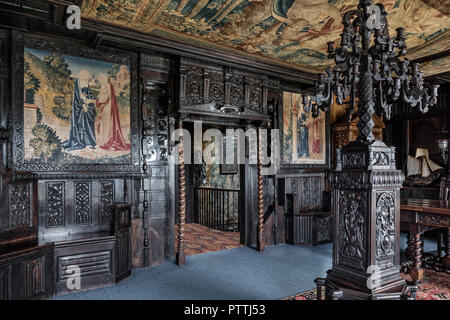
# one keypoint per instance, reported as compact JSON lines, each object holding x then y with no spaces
{"x":216,"y":89}
{"x":385,"y":229}
{"x":352,"y":228}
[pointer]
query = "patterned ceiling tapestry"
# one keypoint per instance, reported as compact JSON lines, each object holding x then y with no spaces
{"x":293,"y":32}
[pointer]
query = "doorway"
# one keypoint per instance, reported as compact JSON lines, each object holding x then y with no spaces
{"x":213,"y":194}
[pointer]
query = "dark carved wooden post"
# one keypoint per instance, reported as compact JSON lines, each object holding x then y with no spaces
{"x":367,"y":207}
{"x":447,"y":252}
{"x":320,"y":282}
{"x":180,"y":257}
{"x":261,"y":244}
{"x":366,"y":183}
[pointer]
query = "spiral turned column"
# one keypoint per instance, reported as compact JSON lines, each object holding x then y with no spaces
{"x":366,"y":108}
{"x":417,"y":272}
{"x":447,"y":252}
{"x":180,"y":257}
{"x":261,"y":243}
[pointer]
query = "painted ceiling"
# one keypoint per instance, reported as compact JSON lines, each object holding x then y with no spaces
{"x":287,"y":32}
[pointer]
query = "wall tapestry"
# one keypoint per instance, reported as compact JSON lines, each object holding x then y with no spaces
{"x":76,"y":109}
{"x":304,"y":138}
{"x":290,"y":32}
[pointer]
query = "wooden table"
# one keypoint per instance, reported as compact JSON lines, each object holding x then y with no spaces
{"x":418,"y":216}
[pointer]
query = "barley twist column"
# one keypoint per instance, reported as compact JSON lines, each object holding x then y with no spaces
{"x":261,"y":242}
{"x":417,"y":271}
{"x":180,"y":257}
{"x":447,"y":252}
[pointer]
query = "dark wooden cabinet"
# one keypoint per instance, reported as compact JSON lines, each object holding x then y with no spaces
{"x":27,"y":273}
{"x":122,"y":224}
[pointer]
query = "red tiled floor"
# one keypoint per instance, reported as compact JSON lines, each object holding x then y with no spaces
{"x":200,"y":239}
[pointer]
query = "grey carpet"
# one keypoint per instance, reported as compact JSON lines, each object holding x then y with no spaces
{"x":235,"y":274}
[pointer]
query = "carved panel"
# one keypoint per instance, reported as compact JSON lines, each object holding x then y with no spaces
{"x":385,"y":229}
{"x":194,"y":86}
{"x":380,"y":159}
{"x":434,"y":220}
{"x":310,"y":193}
{"x":323,"y":229}
{"x":352,"y":228}
{"x":19,"y":205}
{"x":106,"y":202}
{"x":34,"y":283}
{"x":90,"y":264}
{"x":5,"y":283}
{"x":254,"y":94}
{"x":216,"y":89}
{"x":82,"y":202}
{"x":354,"y":159}
{"x":237,"y":90}
{"x":55,"y":204}
{"x":349,"y":180}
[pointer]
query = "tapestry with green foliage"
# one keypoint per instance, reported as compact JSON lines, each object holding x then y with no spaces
{"x":49,"y":84}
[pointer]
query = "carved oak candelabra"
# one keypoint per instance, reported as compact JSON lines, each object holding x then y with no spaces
{"x":366,"y":253}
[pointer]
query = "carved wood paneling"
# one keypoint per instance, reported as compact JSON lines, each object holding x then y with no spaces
{"x":34,"y":279}
{"x":5,"y":276}
{"x":194,"y":86}
{"x":216,"y":88}
{"x":385,"y":229}
{"x":352,"y":228}
{"x":106,"y":202}
{"x":55,"y":204}
{"x":19,"y":205}
{"x":82,"y":202}
{"x":237,"y":91}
